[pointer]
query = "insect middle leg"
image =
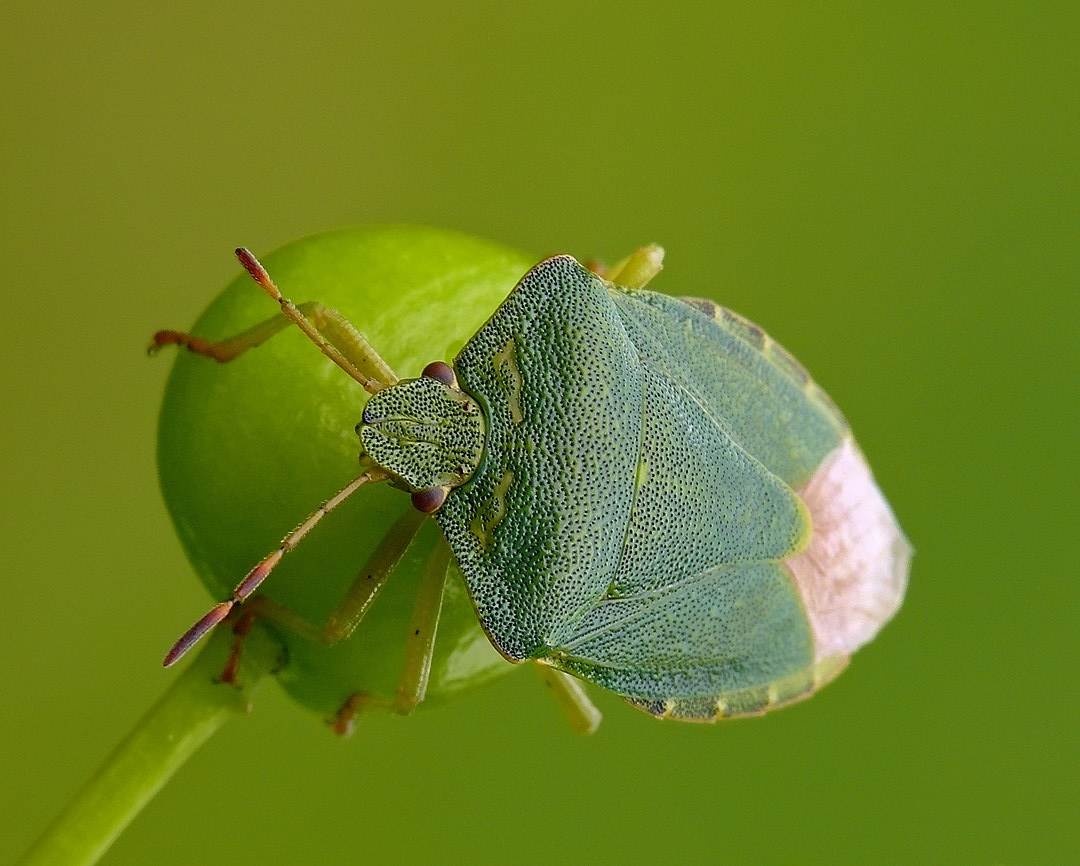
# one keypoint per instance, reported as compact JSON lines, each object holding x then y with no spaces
{"x":423,"y":626}
{"x":419,"y":646}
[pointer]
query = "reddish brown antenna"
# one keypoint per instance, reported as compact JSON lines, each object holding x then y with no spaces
{"x":259,"y":274}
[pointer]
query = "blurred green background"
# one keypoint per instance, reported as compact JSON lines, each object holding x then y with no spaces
{"x":891,"y":189}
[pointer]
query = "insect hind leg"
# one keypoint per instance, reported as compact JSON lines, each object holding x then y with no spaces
{"x":582,"y":714}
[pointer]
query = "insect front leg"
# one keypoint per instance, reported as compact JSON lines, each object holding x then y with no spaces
{"x":348,"y":614}
{"x":333,"y":334}
{"x":333,"y":328}
{"x":241,"y":629}
{"x":354,"y":605}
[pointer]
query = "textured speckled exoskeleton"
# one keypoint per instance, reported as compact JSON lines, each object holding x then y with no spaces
{"x":644,"y":492}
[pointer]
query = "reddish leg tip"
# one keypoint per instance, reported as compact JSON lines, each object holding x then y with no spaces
{"x":344,"y":720}
{"x":241,"y":630}
{"x":160,"y":340}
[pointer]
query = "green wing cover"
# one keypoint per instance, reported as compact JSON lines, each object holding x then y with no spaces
{"x":635,"y":497}
{"x":721,"y":631}
{"x":751,"y":385}
{"x":538,"y":529}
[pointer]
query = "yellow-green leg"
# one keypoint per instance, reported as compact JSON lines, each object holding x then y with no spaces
{"x":636,"y":270}
{"x":423,"y":626}
{"x":582,"y":714}
{"x":334,"y":335}
{"x":344,"y":619}
{"x":354,"y":605}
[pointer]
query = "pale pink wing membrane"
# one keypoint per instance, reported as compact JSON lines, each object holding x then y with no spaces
{"x":853,"y":573}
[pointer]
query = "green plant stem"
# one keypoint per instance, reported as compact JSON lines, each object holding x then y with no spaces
{"x":184,"y":718}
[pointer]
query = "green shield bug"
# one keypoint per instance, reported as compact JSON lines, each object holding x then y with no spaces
{"x":643,"y":492}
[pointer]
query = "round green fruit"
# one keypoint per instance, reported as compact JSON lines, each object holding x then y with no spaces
{"x":247,"y":449}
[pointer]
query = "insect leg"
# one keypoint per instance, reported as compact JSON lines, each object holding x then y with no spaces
{"x":420,"y":644}
{"x":330,"y":324}
{"x":262,"y":569}
{"x":241,"y":629}
{"x":344,"y":720}
{"x":221,"y":351}
{"x":582,"y":714}
{"x":354,"y":605}
{"x":345,"y":618}
{"x":638,"y":268}
{"x":334,"y":335}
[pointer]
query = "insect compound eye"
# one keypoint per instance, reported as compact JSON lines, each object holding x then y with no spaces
{"x":430,"y":500}
{"x":441,"y":372}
